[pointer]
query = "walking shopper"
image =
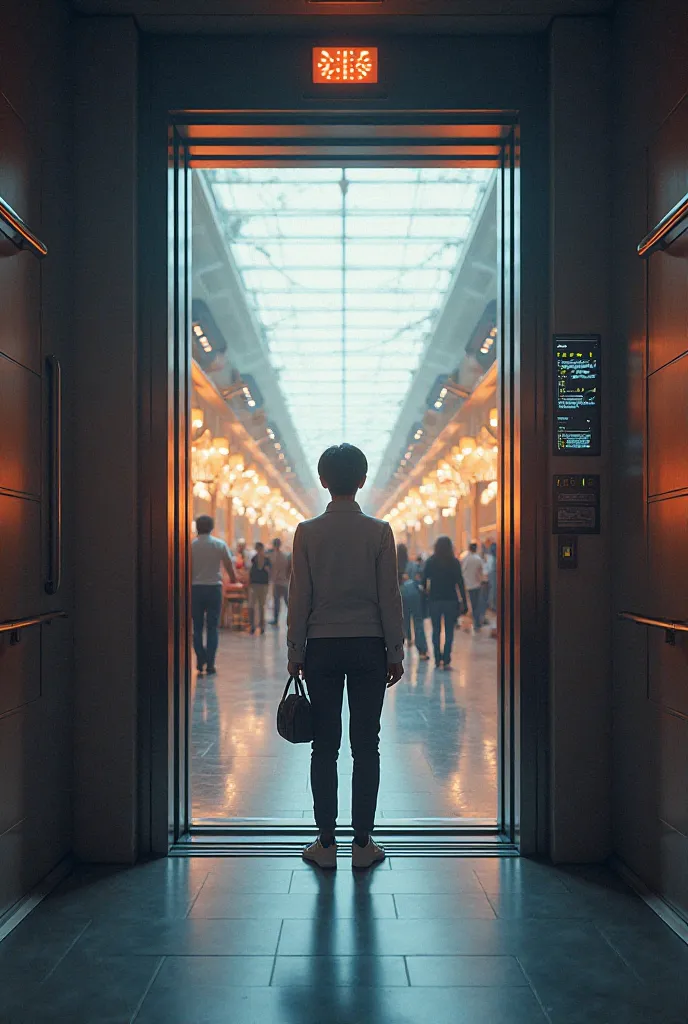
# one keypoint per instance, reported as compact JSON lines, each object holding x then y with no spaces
{"x":412,"y":603}
{"x":259,"y":579}
{"x":472,"y":567}
{"x":279,"y":577}
{"x":208,"y":555}
{"x":443,"y":578}
{"x":345,"y":622}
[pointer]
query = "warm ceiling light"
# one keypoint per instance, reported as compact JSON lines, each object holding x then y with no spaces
{"x":335,"y":65}
{"x":494,"y":417}
{"x":467,"y":445}
{"x":197,"y":418}
{"x":221,"y":444}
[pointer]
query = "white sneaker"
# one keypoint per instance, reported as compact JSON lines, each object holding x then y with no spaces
{"x":366,"y":856}
{"x":323,"y":856}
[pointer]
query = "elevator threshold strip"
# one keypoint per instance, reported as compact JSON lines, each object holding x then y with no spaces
{"x":227,"y":843}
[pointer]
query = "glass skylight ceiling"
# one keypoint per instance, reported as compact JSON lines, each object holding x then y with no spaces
{"x":347,"y":283}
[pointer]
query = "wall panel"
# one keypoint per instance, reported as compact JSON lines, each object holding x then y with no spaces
{"x":20,"y":276}
{"x":667,"y":406}
{"x":35,"y":319}
{"x":20,"y":428}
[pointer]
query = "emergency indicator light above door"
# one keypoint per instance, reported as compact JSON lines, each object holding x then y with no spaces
{"x":355,"y":65}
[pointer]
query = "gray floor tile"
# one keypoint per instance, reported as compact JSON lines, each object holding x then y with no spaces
{"x":294,"y":905}
{"x":537,"y":904}
{"x":381,"y":881}
{"x":90,"y":990}
{"x":323,"y":972}
{"x":193,"y":937}
{"x":435,"y":906}
{"x":364,"y":935}
{"x":516,"y":874}
{"x":178,"y":972}
{"x":476,"y":971}
{"x":342,"y":1005}
{"x":264,"y":881}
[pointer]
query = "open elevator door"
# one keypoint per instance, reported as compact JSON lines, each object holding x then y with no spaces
{"x":332,"y":139}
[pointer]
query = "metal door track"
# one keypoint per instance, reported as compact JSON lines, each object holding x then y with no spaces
{"x":290,"y":844}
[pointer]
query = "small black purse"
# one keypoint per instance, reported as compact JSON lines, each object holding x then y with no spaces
{"x":295,"y":714}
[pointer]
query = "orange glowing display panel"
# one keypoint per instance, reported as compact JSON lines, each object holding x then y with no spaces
{"x":337,"y":64}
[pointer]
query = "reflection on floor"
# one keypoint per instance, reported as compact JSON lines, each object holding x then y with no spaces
{"x":439,"y":738}
{"x":272,"y":941}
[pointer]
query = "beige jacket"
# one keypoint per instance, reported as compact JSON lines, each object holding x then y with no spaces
{"x":344,"y":581}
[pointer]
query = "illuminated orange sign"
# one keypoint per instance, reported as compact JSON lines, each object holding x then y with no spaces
{"x":332,"y":64}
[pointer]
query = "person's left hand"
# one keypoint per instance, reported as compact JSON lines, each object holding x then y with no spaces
{"x":295,"y":668}
{"x":395,"y":671}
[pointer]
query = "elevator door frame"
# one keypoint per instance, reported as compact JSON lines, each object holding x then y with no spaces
{"x":519,"y":793}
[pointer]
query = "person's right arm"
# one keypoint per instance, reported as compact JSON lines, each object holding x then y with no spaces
{"x":299,"y":605}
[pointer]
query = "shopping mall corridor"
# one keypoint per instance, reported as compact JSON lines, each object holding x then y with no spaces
{"x":273,"y":941}
{"x":438,"y":746}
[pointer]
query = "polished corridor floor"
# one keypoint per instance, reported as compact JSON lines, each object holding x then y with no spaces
{"x":438,"y":746}
{"x":274,"y":941}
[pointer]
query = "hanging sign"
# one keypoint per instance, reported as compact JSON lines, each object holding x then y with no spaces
{"x":577,"y":395}
{"x":351,"y":65}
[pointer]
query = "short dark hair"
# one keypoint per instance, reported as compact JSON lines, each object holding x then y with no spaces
{"x":205,"y":524}
{"x":341,"y":468}
{"x":259,"y":545}
{"x":277,"y":543}
{"x":473,"y":546}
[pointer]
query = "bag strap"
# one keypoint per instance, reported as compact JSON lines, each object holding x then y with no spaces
{"x":298,"y":686}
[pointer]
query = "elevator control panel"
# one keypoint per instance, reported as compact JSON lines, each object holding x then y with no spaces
{"x":576,"y":503}
{"x":577,"y":395}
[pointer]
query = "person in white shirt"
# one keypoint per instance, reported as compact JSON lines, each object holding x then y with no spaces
{"x":208,"y":555}
{"x":472,"y":568}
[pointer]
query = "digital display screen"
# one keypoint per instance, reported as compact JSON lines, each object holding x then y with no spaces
{"x":334,"y":65}
{"x":577,"y":395}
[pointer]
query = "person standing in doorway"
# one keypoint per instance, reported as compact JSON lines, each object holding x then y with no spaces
{"x":345,"y":622}
{"x":208,"y":555}
{"x":279,"y":577}
{"x":473,"y":572}
{"x":443,"y":578}
{"x":258,"y":583}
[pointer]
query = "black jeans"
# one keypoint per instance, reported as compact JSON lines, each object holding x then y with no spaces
{"x":449,"y":611}
{"x":363,"y":661}
{"x":206,"y":608}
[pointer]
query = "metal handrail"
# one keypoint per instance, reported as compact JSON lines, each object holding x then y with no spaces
{"x":670,"y":626}
{"x":19,"y":233}
{"x":658,"y":238}
{"x":13,"y":626}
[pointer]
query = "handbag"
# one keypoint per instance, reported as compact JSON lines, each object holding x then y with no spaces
{"x":295,"y":714}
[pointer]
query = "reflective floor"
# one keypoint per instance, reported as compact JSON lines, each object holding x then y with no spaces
{"x":273,"y":941}
{"x":438,"y":747}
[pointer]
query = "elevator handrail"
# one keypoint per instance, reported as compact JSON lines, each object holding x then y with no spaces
{"x":15,"y":625}
{"x":658,"y":237}
{"x":670,"y":626}
{"x":19,"y":233}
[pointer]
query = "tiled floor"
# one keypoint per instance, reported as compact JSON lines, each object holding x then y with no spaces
{"x":439,"y":738}
{"x":274,"y":941}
